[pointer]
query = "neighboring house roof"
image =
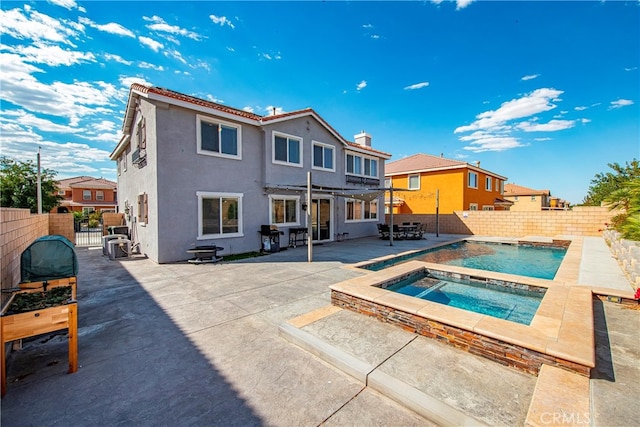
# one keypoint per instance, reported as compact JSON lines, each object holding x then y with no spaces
{"x":518,"y":190}
{"x":87,"y":182}
{"x":427,"y":163}
{"x":187,"y":101}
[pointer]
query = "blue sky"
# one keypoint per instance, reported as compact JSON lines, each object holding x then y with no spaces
{"x":544,"y":93}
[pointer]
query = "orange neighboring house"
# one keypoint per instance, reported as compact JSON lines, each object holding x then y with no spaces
{"x":527,"y":199}
{"x":461,"y":186}
{"x":86,"y":194}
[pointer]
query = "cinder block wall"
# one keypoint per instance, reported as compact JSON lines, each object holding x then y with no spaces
{"x":18,"y":229}
{"x":581,"y":221}
{"x":62,"y":224}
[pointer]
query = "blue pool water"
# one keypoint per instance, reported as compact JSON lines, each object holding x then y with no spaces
{"x":523,"y":260}
{"x":497,"y":301}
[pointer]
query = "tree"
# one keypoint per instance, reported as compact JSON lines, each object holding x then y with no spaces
{"x":626,"y":201}
{"x":604,"y":184}
{"x":19,"y":186}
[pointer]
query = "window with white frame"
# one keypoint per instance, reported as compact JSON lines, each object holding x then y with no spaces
{"x":387,"y":183}
{"x":414,"y":182}
{"x":360,"y":210}
{"x":284,"y":210}
{"x":533,"y":198}
{"x":497,"y":188}
{"x":473,"y":206}
{"x":487,"y":208}
{"x":219,"y":215}
{"x":86,"y":194}
{"x":287,"y":149}
{"x":487,"y":183}
{"x":362,"y":166}
{"x":99,"y":195}
{"x":141,"y":134}
{"x":218,"y":138}
{"x":323,"y":156}
{"x":143,"y":209}
{"x":473,"y":180}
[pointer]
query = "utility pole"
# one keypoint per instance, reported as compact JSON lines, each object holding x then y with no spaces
{"x":39,"y":186}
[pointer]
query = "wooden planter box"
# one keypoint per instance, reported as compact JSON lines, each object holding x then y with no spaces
{"x":15,"y":326}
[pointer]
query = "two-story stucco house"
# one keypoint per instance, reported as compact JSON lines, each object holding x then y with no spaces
{"x":528,"y":199}
{"x":458,"y":185}
{"x":87,"y":194}
{"x":193,"y":173}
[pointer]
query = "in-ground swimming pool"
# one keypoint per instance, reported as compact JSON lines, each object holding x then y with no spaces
{"x":523,"y":259}
{"x":508,"y":301}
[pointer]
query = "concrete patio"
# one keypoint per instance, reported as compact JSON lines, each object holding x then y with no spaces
{"x":183,"y":344}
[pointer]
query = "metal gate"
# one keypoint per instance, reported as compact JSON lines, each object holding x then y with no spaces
{"x":88,"y":232}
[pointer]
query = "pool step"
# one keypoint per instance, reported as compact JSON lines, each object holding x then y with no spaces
{"x":561,"y":398}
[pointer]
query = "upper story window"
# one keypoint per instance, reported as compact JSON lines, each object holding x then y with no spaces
{"x":86,"y":194}
{"x":219,"y":215}
{"x":487,"y":183}
{"x":498,"y":185}
{"x":143,"y":209}
{"x":360,"y":165}
{"x":141,"y":134}
{"x":533,"y":198}
{"x":218,"y":138}
{"x":387,"y":183}
{"x":323,"y":156}
{"x":473,"y":206}
{"x":284,"y":210}
{"x":473,"y":180}
{"x":487,"y":208}
{"x":287,"y":149}
{"x":359,"y":210}
{"x":414,"y":182}
{"x":99,"y":195}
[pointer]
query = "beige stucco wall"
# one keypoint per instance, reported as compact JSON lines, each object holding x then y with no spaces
{"x":581,"y":221}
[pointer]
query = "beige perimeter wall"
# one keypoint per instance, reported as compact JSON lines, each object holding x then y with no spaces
{"x":18,"y":229}
{"x":581,"y":221}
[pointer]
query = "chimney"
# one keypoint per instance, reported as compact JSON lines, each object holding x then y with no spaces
{"x":477,"y":163}
{"x":363,"y":138}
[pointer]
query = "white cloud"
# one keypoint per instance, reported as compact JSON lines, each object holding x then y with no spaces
{"x":580,"y":108}
{"x":584,"y":121}
{"x":530,"y":77}
{"x":159,"y":24}
{"x":127,"y":81}
{"x":417,"y":86}
{"x":535,"y":102}
{"x":117,"y":58}
{"x":149,"y":42}
{"x":151,"y":66}
{"x":248,"y":109}
{"x":30,"y":121}
{"x":461,"y":4}
{"x":493,"y":143}
{"x":67,"y":4}
{"x":361,"y":85}
{"x":214,"y":99}
{"x":111,"y":27}
{"x":51,"y":55}
{"x":375,"y":36}
{"x":221,"y":20}
{"x":367,"y":26}
{"x":36,"y":26}
{"x":551,"y":126}
{"x":620,"y":103}
{"x":630,"y":68}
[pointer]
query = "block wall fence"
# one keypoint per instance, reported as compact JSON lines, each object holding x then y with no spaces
{"x":18,"y":229}
{"x":581,"y":221}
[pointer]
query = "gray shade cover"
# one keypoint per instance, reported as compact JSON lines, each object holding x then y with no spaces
{"x":47,"y":258}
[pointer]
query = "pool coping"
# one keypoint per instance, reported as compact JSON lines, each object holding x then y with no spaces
{"x":560,"y":334}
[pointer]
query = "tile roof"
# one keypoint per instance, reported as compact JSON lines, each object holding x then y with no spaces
{"x":518,"y":190}
{"x":86,"y":182}
{"x":420,"y":162}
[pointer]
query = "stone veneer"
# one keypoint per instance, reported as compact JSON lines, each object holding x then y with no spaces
{"x":561,"y":333}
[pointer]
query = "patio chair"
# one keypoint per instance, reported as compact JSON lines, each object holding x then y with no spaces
{"x":383,"y":229}
{"x":397,"y":234}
